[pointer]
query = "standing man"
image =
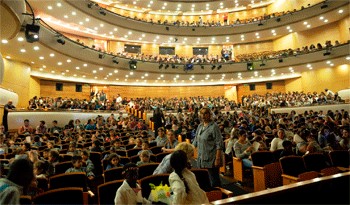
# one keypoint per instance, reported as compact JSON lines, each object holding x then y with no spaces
{"x":7,"y":108}
{"x":209,"y":142}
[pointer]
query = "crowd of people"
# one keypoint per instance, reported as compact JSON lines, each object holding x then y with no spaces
{"x":223,"y":22}
{"x":216,"y":133}
{"x":255,"y":102}
{"x":222,"y":59}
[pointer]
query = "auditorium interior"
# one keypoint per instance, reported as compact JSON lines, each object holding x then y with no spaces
{"x":65,"y":60}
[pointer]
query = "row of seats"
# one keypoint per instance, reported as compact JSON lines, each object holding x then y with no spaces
{"x":270,"y":172}
{"x":71,"y":188}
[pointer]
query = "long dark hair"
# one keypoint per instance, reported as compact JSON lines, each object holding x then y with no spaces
{"x":178,"y":162}
{"x":21,"y":173}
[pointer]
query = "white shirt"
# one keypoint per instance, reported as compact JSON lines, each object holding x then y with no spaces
{"x":195,"y":194}
{"x":126,"y":195}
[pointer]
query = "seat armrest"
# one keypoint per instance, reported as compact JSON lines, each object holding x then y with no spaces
{"x":290,"y":177}
{"x":226,"y":192}
{"x":257,"y":167}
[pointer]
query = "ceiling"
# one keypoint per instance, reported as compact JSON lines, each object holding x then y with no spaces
{"x":70,"y":62}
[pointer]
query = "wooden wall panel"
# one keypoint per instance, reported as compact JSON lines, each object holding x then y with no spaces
{"x":260,"y":89}
{"x":48,"y":89}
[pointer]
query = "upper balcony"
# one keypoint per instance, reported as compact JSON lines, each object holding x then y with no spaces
{"x":79,"y":18}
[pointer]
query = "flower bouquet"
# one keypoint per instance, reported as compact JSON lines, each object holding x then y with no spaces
{"x":161,"y":193}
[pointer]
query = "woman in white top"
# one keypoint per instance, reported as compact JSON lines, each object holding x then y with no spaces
{"x":276,"y":143}
{"x":183,"y":182}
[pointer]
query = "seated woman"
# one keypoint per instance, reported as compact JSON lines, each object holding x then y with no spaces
{"x":113,"y":161}
{"x":183,"y":182}
{"x":165,"y":167}
{"x":243,"y":149}
{"x":130,"y":191}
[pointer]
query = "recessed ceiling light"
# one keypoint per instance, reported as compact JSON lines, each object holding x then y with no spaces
{"x":340,"y":11}
{"x":4,"y":41}
{"x":41,"y":69}
{"x":94,"y":71}
{"x":23,"y":50}
{"x":115,"y":71}
{"x":85,"y":65}
{"x":84,"y":76}
{"x":59,"y":63}
{"x":74,"y":13}
{"x":59,"y":4}
{"x":67,"y":71}
{"x":36,"y":48}
{"x":347,"y":58}
{"x":53,"y":71}
{"x":20,"y":39}
{"x":8,"y":57}
{"x":41,"y":58}
{"x":326,"y":20}
{"x":52,"y":55}
{"x":305,"y":23}
{"x":65,"y":16}
{"x":308,"y":26}
{"x":100,"y":68}
{"x":49,"y":7}
{"x":87,"y":19}
{"x":69,"y":60}
{"x":321,"y":18}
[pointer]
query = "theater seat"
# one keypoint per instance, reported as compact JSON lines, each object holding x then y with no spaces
{"x":106,"y":192}
{"x":66,"y":195}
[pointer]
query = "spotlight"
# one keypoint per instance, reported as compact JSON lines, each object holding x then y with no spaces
{"x":327,"y":53}
{"x":133,"y":64}
{"x":160,"y":66}
{"x":193,"y":29}
{"x":250,"y":66}
{"x":101,"y":56}
{"x":219,"y":67}
{"x":202,"y":67}
{"x":32,"y":33}
{"x":173,"y":66}
{"x":188,"y":66}
{"x":115,"y":61}
{"x":166,"y":66}
{"x":213,"y":67}
{"x":280,"y":60}
{"x":324,"y":6}
{"x":278,"y":19}
{"x":61,"y":41}
{"x":90,"y":5}
{"x":102,"y":12}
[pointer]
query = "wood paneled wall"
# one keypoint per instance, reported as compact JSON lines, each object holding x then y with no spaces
{"x":260,"y":89}
{"x":164,"y":92}
{"x":48,"y":89}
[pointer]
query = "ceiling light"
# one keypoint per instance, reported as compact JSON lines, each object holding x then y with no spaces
{"x":85,"y":65}
{"x":52,"y":55}
{"x":4,"y":41}
{"x":36,"y":48}
{"x":20,"y":39}
{"x":23,"y":50}
{"x":41,"y":58}
{"x":49,"y":7}
{"x":69,"y":60}
{"x":340,"y":11}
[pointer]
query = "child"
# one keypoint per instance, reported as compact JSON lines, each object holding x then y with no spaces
{"x":87,"y":163}
{"x":138,"y":143}
{"x":113,"y":161}
{"x":183,"y":182}
{"x":116,"y":145}
{"x":77,"y":162}
{"x":144,"y":158}
{"x":130,"y":191}
{"x":40,"y":169}
{"x":145,"y":146}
